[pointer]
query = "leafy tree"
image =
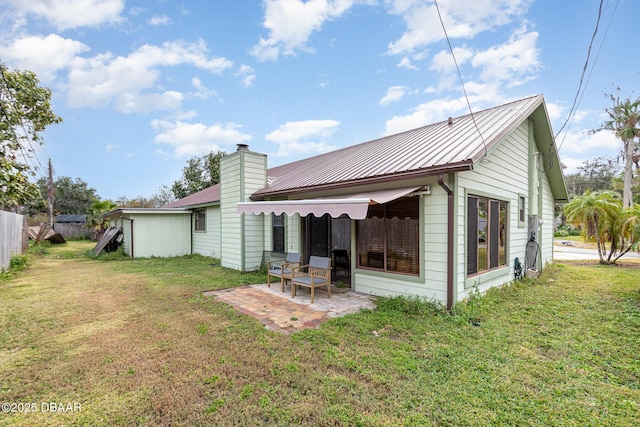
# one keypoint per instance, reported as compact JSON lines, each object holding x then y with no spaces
{"x":71,"y":196}
{"x":164,"y":196}
{"x":141,"y":202}
{"x":625,"y":122}
{"x":200,"y":173}
{"x":25,"y":111}
{"x":603,"y":220}
{"x":595,"y":175}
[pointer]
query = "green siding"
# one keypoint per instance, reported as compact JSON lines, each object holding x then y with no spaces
{"x":242,"y":236}
{"x":156,"y":234}
{"x":208,"y":242}
{"x":510,"y":169}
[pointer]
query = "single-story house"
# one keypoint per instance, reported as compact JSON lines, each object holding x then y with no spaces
{"x":431,"y":212}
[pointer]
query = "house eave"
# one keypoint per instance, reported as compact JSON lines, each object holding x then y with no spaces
{"x":381,"y":179}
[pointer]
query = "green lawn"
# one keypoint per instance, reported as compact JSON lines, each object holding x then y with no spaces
{"x":135,"y":343}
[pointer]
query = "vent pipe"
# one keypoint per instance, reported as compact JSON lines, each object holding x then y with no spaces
{"x":242,"y":147}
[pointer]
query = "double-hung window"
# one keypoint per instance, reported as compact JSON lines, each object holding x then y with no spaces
{"x":486,"y":234}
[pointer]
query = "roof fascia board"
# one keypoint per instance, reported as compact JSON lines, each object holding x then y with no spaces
{"x":453,"y":167}
{"x":545,"y":143}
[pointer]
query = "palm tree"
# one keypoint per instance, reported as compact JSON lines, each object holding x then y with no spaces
{"x":596,"y":214}
{"x":625,"y":122}
{"x":98,"y":226}
{"x":629,"y":230}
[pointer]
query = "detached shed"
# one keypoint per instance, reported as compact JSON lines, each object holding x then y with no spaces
{"x":153,"y":232}
{"x":71,"y":226}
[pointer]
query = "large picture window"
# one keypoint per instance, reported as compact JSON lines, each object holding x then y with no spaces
{"x":486,"y":234}
{"x":278,"y":232}
{"x":200,"y":223}
{"x":389,"y":238}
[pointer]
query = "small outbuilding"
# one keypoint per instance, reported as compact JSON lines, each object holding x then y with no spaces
{"x":153,"y":232}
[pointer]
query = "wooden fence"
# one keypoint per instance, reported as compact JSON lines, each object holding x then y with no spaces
{"x":14,"y":238}
{"x":72,"y":230}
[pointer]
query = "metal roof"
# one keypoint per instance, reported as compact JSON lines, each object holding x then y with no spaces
{"x":441,"y":147}
{"x":144,"y":211}
{"x":437,"y":148}
{"x":70,"y":218}
{"x":202,"y":197}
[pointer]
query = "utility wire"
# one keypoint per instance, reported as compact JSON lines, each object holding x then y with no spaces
{"x":464,"y":91}
{"x":593,"y":65}
{"x":584,"y":70}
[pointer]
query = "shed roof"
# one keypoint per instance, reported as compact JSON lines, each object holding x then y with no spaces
{"x":144,"y":211}
{"x":70,"y":218}
{"x":429,"y":150}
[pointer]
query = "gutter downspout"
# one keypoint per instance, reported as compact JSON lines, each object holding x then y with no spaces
{"x":450,"y":287}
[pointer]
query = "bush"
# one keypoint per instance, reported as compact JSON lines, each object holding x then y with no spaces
{"x":19,"y":262}
{"x":413,"y":305}
{"x":566,"y":230}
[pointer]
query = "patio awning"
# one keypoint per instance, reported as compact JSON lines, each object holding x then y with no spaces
{"x":355,"y":206}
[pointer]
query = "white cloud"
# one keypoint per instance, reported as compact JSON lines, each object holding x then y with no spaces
{"x":304,"y":137}
{"x":291,"y":23}
{"x":202,"y":91}
{"x":588,"y":144}
{"x":157,"y":20}
{"x":480,"y":96}
{"x":247,"y":75}
{"x":43,"y":55}
{"x":65,"y":14}
{"x":461,"y":18}
{"x":556,"y":111}
{"x":405,"y":62}
{"x":105,"y":79}
{"x":515,"y":61}
{"x":192,"y":139}
{"x":394,"y":94}
{"x":424,"y":114}
{"x":443,"y":61}
{"x":146,"y":102}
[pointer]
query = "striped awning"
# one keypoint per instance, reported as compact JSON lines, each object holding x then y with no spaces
{"x":355,"y":206}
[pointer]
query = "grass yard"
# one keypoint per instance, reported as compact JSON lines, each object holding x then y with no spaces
{"x":135,"y":343}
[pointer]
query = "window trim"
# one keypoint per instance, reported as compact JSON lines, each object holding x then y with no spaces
{"x":384,"y":272}
{"x":284,"y":232}
{"x":522,"y":213}
{"x":501,"y":269}
{"x":202,"y":221}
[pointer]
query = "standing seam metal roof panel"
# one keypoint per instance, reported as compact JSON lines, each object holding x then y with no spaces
{"x":429,"y":147}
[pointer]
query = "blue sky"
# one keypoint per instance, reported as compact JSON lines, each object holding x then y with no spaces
{"x":142,"y":86}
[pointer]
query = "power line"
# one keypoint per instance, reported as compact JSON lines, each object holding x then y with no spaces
{"x":464,"y":91}
{"x":572,"y":111}
{"x":593,"y":65}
